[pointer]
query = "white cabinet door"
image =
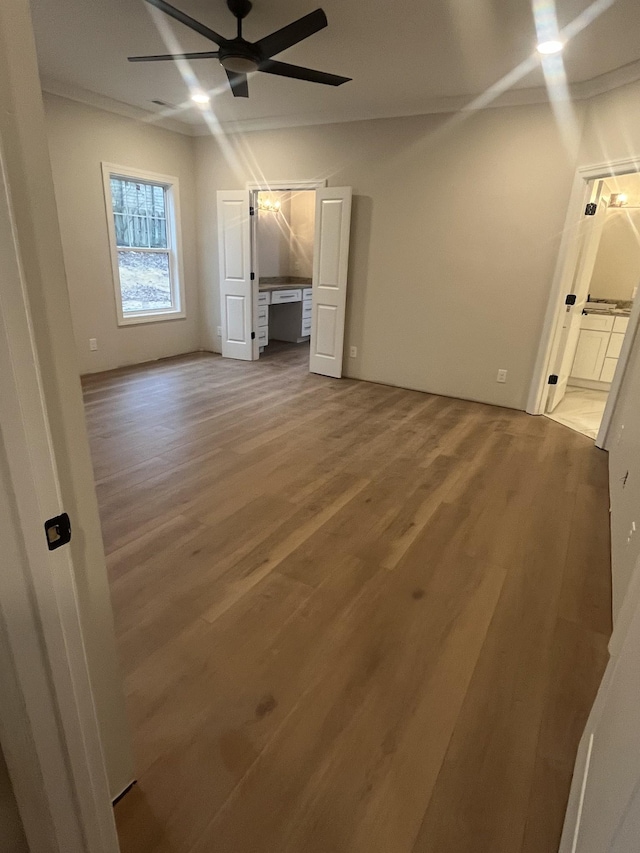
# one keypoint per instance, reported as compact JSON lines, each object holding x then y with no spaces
{"x":615,"y":345}
{"x":236,"y":287}
{"x":590,"y":354}
{"x":608,"y":369}
{"x":620,"y":324}
{"x":330,"y":262}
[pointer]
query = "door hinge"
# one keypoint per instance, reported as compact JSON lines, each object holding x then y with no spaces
{"x":253,"y":336}
{"x":253,"y":276}
{"x":252,"y":210}
{"x":590,"y":209}
{"x":570,"y":299}
{"x":553,"y":379}
{"x":58,"y":531}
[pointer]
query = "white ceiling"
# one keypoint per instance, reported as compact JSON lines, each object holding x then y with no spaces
{"x":406,"y":57}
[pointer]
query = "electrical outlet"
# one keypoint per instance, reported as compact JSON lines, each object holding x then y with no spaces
{"x":353,"y":352}
{"x":93,"y":344}
{"x":219,"y":331}
{"x":502,"y":375}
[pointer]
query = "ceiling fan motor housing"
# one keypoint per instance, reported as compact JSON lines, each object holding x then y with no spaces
{"x":240,"y":56}
{"x":239,"y":8}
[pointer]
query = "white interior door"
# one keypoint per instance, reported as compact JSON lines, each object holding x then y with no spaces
{"x":236,"y":287}
{"x":48,"y":724}
{"x":591,"y":233}
{"x":607,"y":781}
{"x":330,"y":265}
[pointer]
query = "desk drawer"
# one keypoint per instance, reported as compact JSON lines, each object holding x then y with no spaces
{"x":264,"y":297}
{"x":263,"y":315}
{"x":306,"y":326}
{"x":307,"y":309}
{"x":307,"y":294}
{"x":280,"y":296}
{"x":263,"y":336}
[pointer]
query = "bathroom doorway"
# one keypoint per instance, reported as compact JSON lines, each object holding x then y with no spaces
{"x":599,"y":314}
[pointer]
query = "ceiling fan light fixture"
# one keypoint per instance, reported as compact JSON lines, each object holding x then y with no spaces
{"x":240,"y":57}
{"x":547,"y":48}
{"x":238,"y":64}
{"x":200,"y":98}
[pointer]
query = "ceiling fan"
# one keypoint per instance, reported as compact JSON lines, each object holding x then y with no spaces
{"x":239,"y":57}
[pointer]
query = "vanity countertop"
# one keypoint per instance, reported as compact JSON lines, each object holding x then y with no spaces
{"x":609,"y":312}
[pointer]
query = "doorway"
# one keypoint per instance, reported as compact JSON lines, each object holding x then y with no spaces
{"x":599,"y":310}
{"x":283,"y":250}
{"x":243,"y":298}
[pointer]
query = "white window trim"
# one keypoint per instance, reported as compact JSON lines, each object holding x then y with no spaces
{"x":172,"y":186}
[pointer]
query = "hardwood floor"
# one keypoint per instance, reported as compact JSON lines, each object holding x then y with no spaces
{"x":351,"y":618}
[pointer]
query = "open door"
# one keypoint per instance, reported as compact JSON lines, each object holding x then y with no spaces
{"x":330,"y":264}
{"x":236,"y":286}
{"x":591,"y":232}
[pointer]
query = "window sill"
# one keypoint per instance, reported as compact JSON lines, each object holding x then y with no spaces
{"x":158,"y":317}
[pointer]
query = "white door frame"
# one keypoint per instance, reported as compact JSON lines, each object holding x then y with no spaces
{"x":563,"y":275}
{"x":48,"y":724}
{"x":254,"y":188}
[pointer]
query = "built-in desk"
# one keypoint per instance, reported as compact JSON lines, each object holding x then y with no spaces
{"x":284,"y":310}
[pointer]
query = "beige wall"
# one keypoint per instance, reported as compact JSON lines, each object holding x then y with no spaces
{"x":455,"y":232}
{"x":617,"y":269}
{"x":12,"y":838}
{"x":303,"y":215}
{"x":80,"y":138}
{"x":24,"y":139}
{"x":274,"y":252}
{"x":285,"y":239}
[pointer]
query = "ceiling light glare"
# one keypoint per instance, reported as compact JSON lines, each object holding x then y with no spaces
{"x":546,"y":48}
{"x":200,"y":98}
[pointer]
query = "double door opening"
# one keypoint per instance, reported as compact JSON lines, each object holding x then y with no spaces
{"x":598,"y":317}
{"x":283,"y":255}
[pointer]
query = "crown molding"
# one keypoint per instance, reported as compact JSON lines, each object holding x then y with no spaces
{"x":582,"y":91}
{"x":72,"y":92}
{"x":513,"y":98}
{"x":609,"y":81}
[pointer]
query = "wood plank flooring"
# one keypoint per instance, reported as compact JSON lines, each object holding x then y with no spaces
{"x":351,"y":618}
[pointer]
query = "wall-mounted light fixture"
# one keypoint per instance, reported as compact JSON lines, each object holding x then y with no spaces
{"x":269,"y":205}
{"x":618,"y":200}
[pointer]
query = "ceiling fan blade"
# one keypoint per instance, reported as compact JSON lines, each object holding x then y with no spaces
{"x":283,"y":69}
{"x":210,"y":54}
{"x":177,"y":15}
{"x":291,"y":34}
{"x":238,"y":83}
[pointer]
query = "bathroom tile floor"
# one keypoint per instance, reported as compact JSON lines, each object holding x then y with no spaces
{"x":581,"y":410}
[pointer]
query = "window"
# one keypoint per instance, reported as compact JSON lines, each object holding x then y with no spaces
{"x":142,"y":213}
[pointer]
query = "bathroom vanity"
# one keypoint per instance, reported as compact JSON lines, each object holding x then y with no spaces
{"x":601,"y":335}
